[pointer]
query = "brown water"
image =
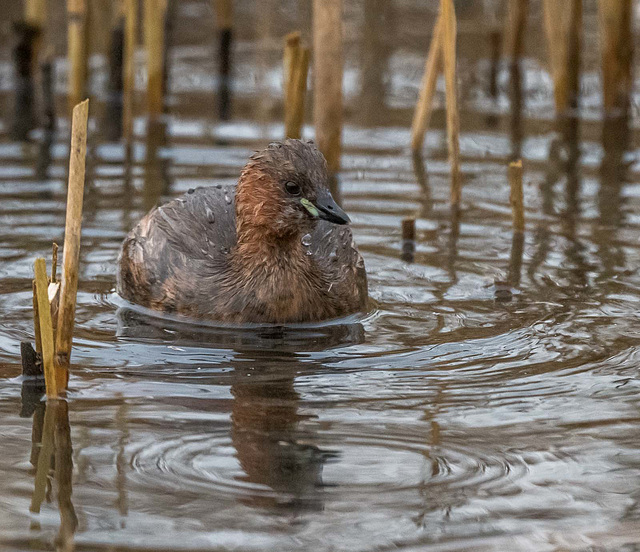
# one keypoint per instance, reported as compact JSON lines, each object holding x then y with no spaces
{"x":450,"y":418}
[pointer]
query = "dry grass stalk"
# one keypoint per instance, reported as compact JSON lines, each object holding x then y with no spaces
{"x":448,"y":15}
{"x":77,"y":49}
{"x":154,"y":23}
{"x":327,"y":68}
{"x":432,"y":68}
{"x":71,"y":251}
{"x":563,"y":23}
{"x":46,"y":327}
{"x":516,"y":197}
{"x":130,"y":8}
{"x":616,"y":39}
{"x":296,"y":68}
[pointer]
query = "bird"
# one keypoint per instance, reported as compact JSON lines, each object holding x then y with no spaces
{"x":275,"y":248}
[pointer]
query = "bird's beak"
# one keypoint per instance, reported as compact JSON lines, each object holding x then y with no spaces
{"x":326,"y":208}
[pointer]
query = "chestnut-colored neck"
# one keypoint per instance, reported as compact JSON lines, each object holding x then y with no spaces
{"x":260,"y":241}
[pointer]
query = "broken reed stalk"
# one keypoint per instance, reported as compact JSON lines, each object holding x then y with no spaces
{"x":296,"y":68}
{"x":71,"y":249}
{"x":516,"y":195}
{"x":154,"y":24}
{"x":77,"y":49}
{"x":36,"y":317}
{"x":616,"y":40}
{"x":45,"y":327}
{"x":54,"y":262}
{"x":563,"y":24}
{"x":327,"y":68}
{"x":448,"y":15}
{"x":130,"y":8}
{"x":432,"y":68}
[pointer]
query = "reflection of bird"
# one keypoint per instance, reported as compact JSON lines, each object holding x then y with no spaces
{"x":269,"y":448}
{"x":275,"y":256}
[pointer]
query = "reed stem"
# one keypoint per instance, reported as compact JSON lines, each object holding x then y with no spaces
{"x":46,"y":327}
{"x":71,"y":251}
{"x":328,"y":67}
{"x":448,"y":15}
{"x":154,"y":25}
{"x":296,"y":68}
{"x":563,"y":24}
{"x":35,"y":12}
{"x":130,"y":8}
{"x":424,"y":107}
{"x":77,"y":50}
{"x":616,"y":39}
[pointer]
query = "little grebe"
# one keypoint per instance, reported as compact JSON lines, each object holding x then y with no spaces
{"x":278,"y":257}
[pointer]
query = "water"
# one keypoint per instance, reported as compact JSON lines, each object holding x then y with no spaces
{"x":488,"y":402}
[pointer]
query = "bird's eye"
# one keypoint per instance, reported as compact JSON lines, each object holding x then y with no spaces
{"x":292,"y":188}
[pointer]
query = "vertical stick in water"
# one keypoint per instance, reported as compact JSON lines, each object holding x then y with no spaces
{"x":224,"y":20}
{"x":154,"y":24}
{"x":453,"y":119}
{"x":113,"y":120}
{"x":563,"y":23}
{"x":296,"y":67}
{"x":327,"y":67}
{"x":24,"y":55}
{"x":615,"y":18}
{"x":35,"y":15}
{"x":291,"y":52}
{"x":46,"y":328}
{"x":71,"y":249}
{"x":35,"y":12}
{"x":128,"y":77}
{"x":516,"y":196}
{"x":408,"y":239}
{"x":76,"y":50}
{"x":432,"y":67}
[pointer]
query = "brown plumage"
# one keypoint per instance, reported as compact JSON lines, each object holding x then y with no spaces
{"x":274,"y":248}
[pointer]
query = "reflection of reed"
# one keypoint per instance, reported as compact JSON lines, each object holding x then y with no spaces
{"x":613,"y":175}
{"x":51,"y":436}
{"x":423,"y":180}
{"x":122,"y":502}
